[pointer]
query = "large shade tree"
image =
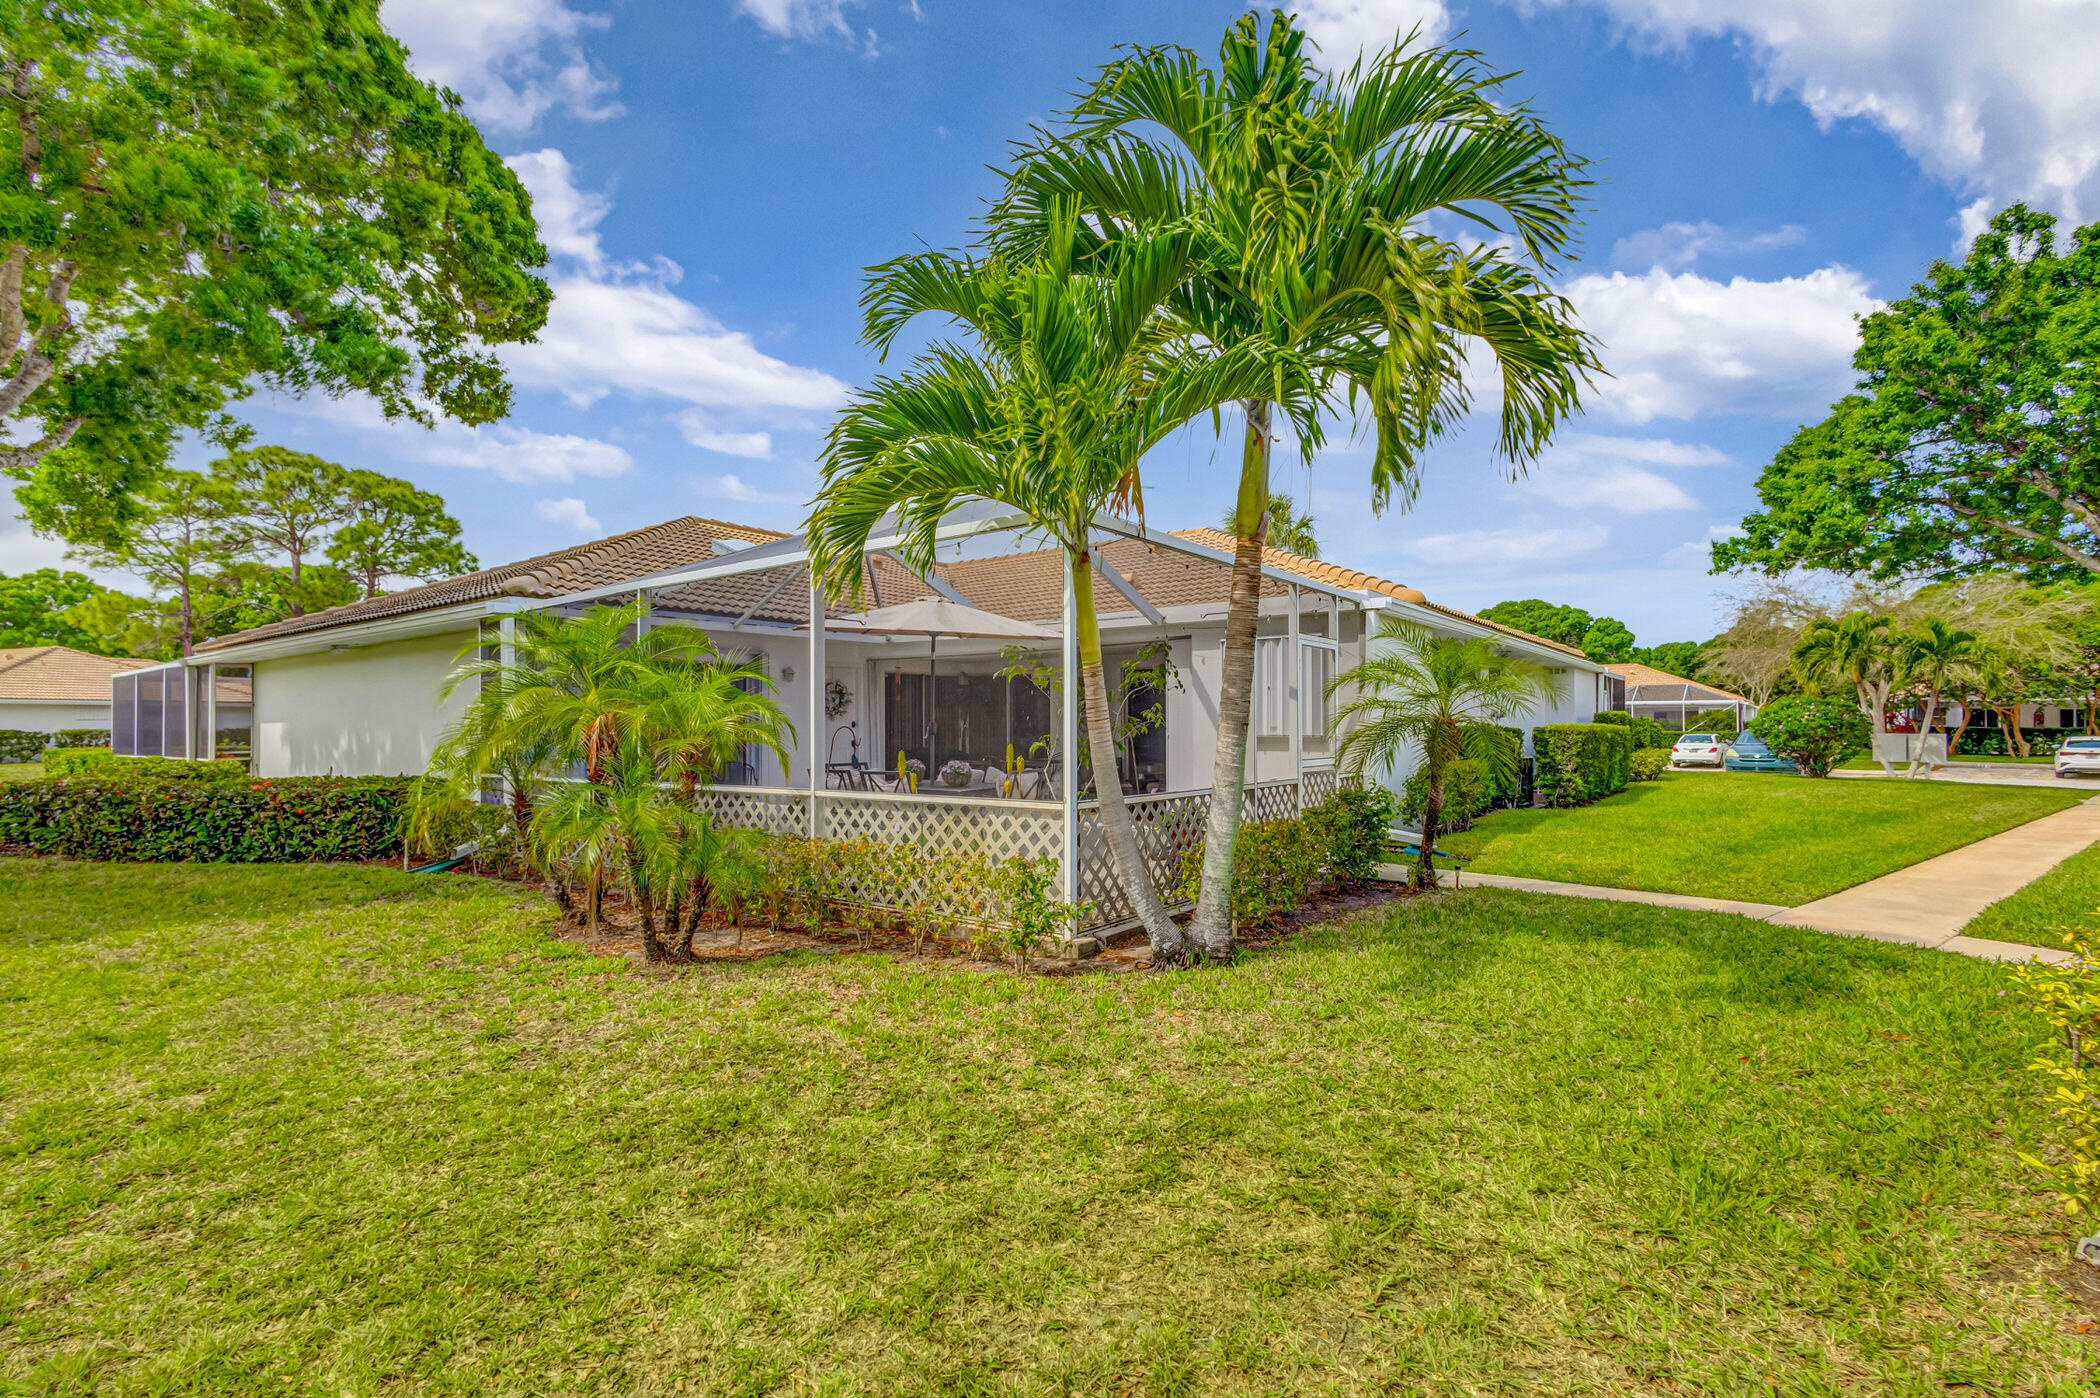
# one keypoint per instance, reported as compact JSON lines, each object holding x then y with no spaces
{"x":1972,"y":444}
{"x":1060,"y":382}
{"x":1310,"y":197}
{"x":198,"y":197}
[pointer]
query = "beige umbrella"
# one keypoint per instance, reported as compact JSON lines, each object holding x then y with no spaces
{"x":935,"y":617}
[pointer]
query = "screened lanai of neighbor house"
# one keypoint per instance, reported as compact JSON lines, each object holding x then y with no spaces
{"x":356,"y":690}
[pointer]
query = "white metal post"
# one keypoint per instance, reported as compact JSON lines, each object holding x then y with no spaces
{"x":1068,"y":736}
{"x":818,"y":752}
{"x":1296,"y":674}
{"x":209,"y":733}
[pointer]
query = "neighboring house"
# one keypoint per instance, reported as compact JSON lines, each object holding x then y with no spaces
{"x":44,"y":689}
{"x":356,"y":690}
{"x":1672,"y":700}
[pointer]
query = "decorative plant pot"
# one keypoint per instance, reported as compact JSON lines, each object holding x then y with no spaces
{"x":955,"y":778}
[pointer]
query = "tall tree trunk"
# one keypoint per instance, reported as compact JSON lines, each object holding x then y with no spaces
{"x":1424,"y":879}
{"x":2015,"y":740}
{"x":1968,"y":711}
{"x":1917,"y":757}
{"x":1161,"y":933}
{"x":1210,"y":931}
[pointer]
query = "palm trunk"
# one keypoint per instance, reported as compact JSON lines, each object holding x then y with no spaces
{"x":1932,"y":708}
{"x":1210,"y":931}
{"x":1160,"y":932}
{"x":1424,"y":880}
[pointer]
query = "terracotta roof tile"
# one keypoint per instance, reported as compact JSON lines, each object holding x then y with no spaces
{"x":1336,"y":575}
{"x":60,"y":673}
{"x":1639,"y":676}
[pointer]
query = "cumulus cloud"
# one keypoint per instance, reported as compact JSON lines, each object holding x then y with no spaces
{"x":1585,"y":470}
{"x":702,"y":431}
{"x":1676,"y":246}
{"x":511,"y":61}
{"x":515,"y":454}
{"x":621,"y":327}
{"x":1679,"y":344}
{"x":1497,"y":551}
{"x":810,"y":20}
{"x":570,"y":514}
{"x":734,"y":487}
{"x":1345,"y":29}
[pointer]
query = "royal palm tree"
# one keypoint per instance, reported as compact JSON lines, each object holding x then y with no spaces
{"x":1061,"y":381}
{"x":1309,"y":197}
{"x":1443,"y":698}
{"x":1284,"y":525}
{"x":1934,"y":654}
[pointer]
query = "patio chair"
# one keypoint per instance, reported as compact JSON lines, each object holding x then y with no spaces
{"x":884,"y":781}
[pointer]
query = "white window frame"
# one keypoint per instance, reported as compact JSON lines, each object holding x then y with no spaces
{"x":1312,"y":698}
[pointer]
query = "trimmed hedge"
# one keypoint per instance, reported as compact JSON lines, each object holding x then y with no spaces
{"x":263,"y":822}
{"x":1721,"y":721}
{"x":21,"y":744}
{"x":103,"y":765}
{"x":79,"y":738}
{"x":1577,"y":763}
{"x":1647,"y":733}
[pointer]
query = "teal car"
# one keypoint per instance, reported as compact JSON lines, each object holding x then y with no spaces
{"x":1749,"y":754}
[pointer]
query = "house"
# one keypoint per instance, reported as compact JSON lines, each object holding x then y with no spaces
{"x":358,"y":689}
{"x":50,"y":689}
{"x":1674,"y":701}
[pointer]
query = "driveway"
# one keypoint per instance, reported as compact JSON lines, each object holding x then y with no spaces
{"x":1992,"y":774}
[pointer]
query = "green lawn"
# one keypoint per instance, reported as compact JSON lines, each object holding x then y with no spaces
{"x":20,"y":771}
{"x":324,"y":1130}
{"x":2067,"y":894}
{"x":1758,"y":837}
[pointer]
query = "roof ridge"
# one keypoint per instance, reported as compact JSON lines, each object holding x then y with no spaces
{"x":540,"y":576}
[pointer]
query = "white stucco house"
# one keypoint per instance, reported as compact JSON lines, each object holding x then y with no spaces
{"x":355,"y":690}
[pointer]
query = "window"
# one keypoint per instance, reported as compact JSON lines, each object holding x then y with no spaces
{"x":1272,"y":696}
{"x":1319,"y":672}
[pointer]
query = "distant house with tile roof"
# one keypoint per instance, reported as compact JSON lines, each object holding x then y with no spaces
{"x":1672,"y":700}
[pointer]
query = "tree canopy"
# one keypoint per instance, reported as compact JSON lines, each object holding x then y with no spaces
{"x":1567,"y":625}
{"x":199,"y":197}
{"x":34,"y":607}
{"x":1973,"y":442}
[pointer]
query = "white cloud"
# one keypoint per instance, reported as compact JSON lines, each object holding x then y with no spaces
{"x":619,"y":326}
{"x":1997,"y":99}
{"x":1584,"y":470}
{"x":809,"y":19}
{"x":1676,"y":246}
{"x":512,"y":61}
{"x":1503,"y":550}
{"x":734,"y":487}
{"x":702,"y":431}
{"x":1681,"y":344}
{"x":1698,"y":553}
{"x":516,"y":454}
{"x":570,"y":514}
{"x":1345,"y":29}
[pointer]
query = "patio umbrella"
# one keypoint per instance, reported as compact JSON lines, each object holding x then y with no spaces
{"x":935,"y":617}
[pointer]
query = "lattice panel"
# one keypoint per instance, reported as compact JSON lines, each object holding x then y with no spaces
{"x":996,"y":829}
{"x":1167,"y":828}
{"x":1320,"y":784}
{"x":1270,"y":801}
{"x":775,"y":811}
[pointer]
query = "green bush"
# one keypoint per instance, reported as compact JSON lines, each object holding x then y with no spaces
{"x":1816,"y":733}
{"x":263,"y":822}
{"x":1650,"y":763}
{"x":1721,"y":721}
{"x":1273,"y":865}
{"x":21,"y":744}
{"x":1466,"y":796}
{"x":1577,"y":763}
{"x":1348,"y":832}
{"x":79,"y":738}
{"x":1647,"y":733}
{"x":103,"y":765}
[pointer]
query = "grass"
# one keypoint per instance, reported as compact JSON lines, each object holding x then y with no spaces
{"x":2066,"y":895}
{"x":350,"y":1131}
{"x":21,"y":771}
{"x":1752,"y":836}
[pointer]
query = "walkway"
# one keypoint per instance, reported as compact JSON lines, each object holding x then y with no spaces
{"x":1925,"y":905}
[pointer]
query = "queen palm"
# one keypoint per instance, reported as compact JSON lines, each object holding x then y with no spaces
{"x":1061,"y":382}
{"x":1443,"y":698}
{"x":1283,"y":524}
{"x":1308,"y":197}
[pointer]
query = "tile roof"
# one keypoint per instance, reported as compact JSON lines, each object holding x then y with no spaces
{"x":60,"y":673}
{"x":1638,"y":677}
{"x":1031,"y":586}
{"x":635,"y":554}
{"x":1337,"y":576}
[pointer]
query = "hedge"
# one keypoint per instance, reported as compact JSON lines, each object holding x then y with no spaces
{"x":1721,"y":721}
{"x":1274,"y":862}
{"x":1577,"y":763}
{"x":79,"y":738}
{"x":104,"y":765}
{"x":1647,"y":733}
{"x":21,"y":744}
{"x":261,"y":822}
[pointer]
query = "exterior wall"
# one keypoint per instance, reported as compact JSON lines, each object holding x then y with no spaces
{"x":39,"y":716}
{"x":368,"y":711}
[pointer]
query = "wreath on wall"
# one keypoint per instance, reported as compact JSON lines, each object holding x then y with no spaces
{"x":837,"y":699}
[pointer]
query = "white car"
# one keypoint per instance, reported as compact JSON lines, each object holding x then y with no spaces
{"x":1697,"y":750}
{"x":2078,"y":757}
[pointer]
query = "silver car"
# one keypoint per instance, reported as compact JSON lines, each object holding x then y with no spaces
{"x":1697,"y":750}
{"x":2078,"y":757}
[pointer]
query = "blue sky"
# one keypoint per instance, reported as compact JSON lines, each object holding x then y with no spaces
{"x":713,"y":175}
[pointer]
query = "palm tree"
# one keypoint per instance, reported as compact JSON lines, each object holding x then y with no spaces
{"x":1064,"y":381}
{"x":1442,"y":697}
{"x":1309,"y":196}
{"x":1288,"y":527}
{"x":1932,"y":653}
{"x":1856,"y":650}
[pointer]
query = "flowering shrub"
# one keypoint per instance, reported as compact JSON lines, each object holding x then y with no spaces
{"x":1816,"y":733}
{"x":261,"y":822}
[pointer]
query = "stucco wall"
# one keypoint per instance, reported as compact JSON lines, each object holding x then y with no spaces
{"x":31,"y":716}
{"x":363,"y":712}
